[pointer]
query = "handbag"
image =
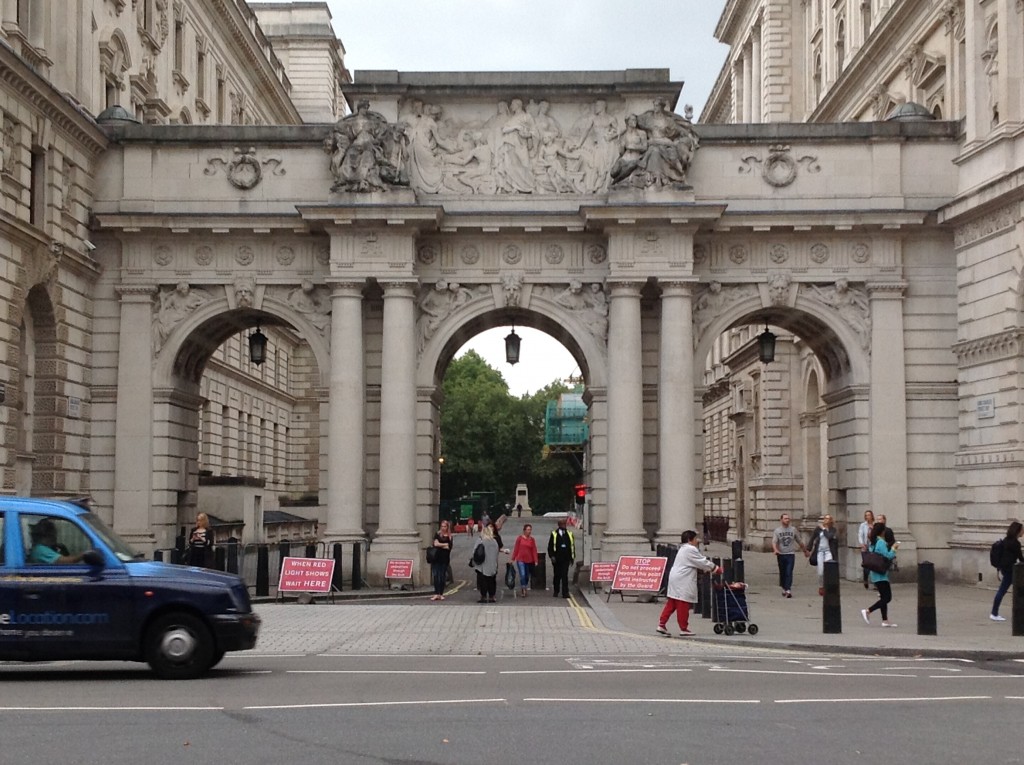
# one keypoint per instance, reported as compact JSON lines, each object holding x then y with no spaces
{"x":873,"y":561}
{"x":813,"y":560}
{"x":510,"y":576}
{"x":431,"y":555}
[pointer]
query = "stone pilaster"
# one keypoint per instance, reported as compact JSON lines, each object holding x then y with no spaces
{"x":676,"y":476}
{"x":624,"y":533}
{"x":888,"y":413}
{"x":133,"y":443}
{"x":345,"y":436}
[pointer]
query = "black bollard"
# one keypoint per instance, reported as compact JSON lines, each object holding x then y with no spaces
{"x":727,"y":573}
{"x":284,"y":550}
{"x":926,"y":623}
{"x":704,"y":589}
{"x":219,"y":558}
{"x":737,"y":548}
{"x":539,"y":577}
{"x":337,"y":578}
{"x":668,"y":552}
{"x":310,"y":551}
{"x":262,"y":571}
{"x":739,"y":573}
{"x":158,"y":555}
{"x":831,"y":612}
{"x":715,"y":616}
{"x":232,"y":556}
{"x":177,"y":556}
{"x":1018,"y":600}
{"x":357,"y":567}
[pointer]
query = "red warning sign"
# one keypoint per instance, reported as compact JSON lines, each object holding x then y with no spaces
{"x":635,"y":572}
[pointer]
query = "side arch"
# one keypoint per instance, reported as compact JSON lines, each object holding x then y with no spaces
{"x":187,"y":349}
{"x":833,"y":341}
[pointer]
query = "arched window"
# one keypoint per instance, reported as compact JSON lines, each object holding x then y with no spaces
{"x":816,"y":82}
{"x":840,"y":45}
{"x":115,"y":61}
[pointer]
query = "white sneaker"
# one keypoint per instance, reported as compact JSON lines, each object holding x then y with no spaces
{"x":866,"y":615}
{"x":662,"y":631}
{"x":997,"y":618}
{"x":889,"y":624}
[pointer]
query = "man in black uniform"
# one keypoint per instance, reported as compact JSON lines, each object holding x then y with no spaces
{"x":562,"y":552}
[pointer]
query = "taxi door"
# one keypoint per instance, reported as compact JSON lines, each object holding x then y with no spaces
{"x":68,"y":608}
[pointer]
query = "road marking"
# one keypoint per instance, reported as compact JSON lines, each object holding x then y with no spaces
{"x":581,"y":614}
{"x":383,"y":672}
{"x":401,"y":656}
{"x":883,"y":698}
{"x":585,"y":671}
{"x":111,"y":709}
{"x":812,"y":674}
{"x":376,"y":704}
{"x":634,"y":699}
{"x":266,"y":656}
{"x":993,"y":676}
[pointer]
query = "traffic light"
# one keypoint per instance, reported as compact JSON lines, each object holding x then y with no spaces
{"x":581,"y":494}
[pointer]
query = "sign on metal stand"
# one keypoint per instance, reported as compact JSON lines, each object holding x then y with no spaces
{"x":399,"y":568}
{"x":601,"y":572}
{"x":312,"y":575}
{"x":636,"y":574}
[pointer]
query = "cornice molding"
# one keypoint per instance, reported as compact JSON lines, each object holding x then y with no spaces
{"x":40,"y":95}
{"x":1002,"y":346}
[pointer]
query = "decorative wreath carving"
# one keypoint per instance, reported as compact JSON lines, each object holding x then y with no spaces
{"x":779,"y":168}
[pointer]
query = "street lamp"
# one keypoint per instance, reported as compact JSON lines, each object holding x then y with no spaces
{"x":766,"y":346}
{"x":257,"y":347}
{"x":512,"y":341}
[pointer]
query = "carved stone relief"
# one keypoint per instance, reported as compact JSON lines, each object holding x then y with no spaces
{"x":588,"y":303}
{"x":313,"y":302}
{"x":713,"y":301}
{"x":173,"y":305}
{"x":519,"y":149}
{"x":245,"y":171}
{"x":851,"y":303}
{"x":779,"y":168}
{"x":511,"y":285}
{"x":779,"y":288}
{"x":436,"y":302}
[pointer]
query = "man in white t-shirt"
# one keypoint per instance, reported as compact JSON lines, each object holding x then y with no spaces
{"x":785,"y":543}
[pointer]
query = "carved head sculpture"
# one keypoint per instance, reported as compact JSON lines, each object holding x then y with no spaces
{"x":631,"y":120}
{"x":660,"y":104}
{"x":543,"y":107}
{"x":600,"y":106}
{"x":363,"y":106}
{"x":503,"y":107}
{"x":182,"y":288}
{"x":842,"y":285}
{"x":515,"y":106}
{"x":244,"y":288}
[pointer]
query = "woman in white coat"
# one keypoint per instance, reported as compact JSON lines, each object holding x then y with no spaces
{"x":682,"y":583}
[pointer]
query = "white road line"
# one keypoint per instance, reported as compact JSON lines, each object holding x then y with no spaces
{"x":266,"y":655}
{"x":399,"y":656}
{"x":377,"y":704}
{"x":402,"y":672}
{"x":645,"y":701}
{"x":111,"y":709}
{"x":884,"y":698}
{"x":993,"y":676}
{"x":812,"y":674}
{"x":587,"y":671}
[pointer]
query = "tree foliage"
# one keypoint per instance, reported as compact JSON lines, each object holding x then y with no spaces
{"x":492,"y":440}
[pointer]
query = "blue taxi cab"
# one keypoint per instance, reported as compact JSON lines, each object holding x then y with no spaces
{"x":70,"y":588}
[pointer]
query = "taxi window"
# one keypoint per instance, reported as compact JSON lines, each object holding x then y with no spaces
{"x":3,"y":546}
{"x":48,"y":539}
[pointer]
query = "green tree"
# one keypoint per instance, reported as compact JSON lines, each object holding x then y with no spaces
{"x":492,"y":440}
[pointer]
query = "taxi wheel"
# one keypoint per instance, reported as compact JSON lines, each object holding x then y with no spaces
{"x":179,"y":647}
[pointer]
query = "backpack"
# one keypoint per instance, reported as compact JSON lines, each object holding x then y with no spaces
{"x":995,"y":554}
{"x":479,"y":553}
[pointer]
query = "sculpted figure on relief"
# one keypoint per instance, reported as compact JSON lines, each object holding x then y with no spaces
{"x":851,"y":303}
{"x":174,"y":305}
{"x":363,"y":149}
{"x":671,"y":145}
{"x":309,"y":301}
{"x":436,"y":303}
{"x":595,"y":136}
{"x":513,"y":170}
{"x":426,"y":145}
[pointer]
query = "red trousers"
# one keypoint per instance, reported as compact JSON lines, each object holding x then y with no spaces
{"x":682,"y":609}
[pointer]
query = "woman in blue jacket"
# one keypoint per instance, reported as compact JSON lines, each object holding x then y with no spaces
{"x":876,"y":543}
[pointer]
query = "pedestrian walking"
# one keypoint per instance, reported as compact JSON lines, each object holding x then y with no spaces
{"x":562,"y":552}
{"x":487,"y":569}
{"x":442,"y":558}
{"x":876,"y":543}
{"x":1010,"y":554}
{"x":863,"y":532}
{"x":890,"y":539}
{"x":785,"y":543}
{"x":524,"y":556}
{"x":824,"y":548}
{"x":682,"y":583}
{"x":200,"y":543}
{"x":519,"y":511}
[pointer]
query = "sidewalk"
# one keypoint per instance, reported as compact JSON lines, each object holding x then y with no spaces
{"x":964,"y":629}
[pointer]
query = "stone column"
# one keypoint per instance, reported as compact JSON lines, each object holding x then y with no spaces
{"x":888,"y":438}
{"x":676,"y":477}
{"x":748,"y":77}
{"x":133,"y":443}
{"x":757,"y":76}
{"x":346,"y":445}
{"x":624,"y":533}
{"x":396,"y":534}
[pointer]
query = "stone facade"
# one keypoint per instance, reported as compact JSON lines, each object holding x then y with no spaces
{"x":883,"y":253}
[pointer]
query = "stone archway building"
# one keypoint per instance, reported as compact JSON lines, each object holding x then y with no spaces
{"x":637,"y":279}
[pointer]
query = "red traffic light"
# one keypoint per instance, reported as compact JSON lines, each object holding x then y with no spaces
{"x":581,"y":493}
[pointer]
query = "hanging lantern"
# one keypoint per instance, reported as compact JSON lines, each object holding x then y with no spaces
{"x":512,"y":341}
{"x":257,"y":347}
{"x":766,"y":346}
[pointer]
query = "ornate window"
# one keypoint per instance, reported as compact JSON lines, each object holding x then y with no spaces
{"x":115,"y":62}
{"x":840,"y":45}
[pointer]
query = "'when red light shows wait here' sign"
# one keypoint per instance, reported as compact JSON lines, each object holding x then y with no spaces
{"x":306,"y":575}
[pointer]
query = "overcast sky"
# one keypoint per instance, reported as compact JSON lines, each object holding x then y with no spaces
{"x":531,"y":35}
